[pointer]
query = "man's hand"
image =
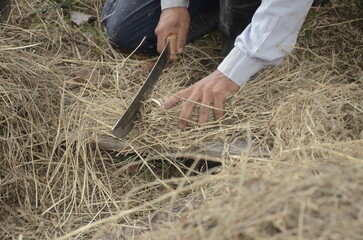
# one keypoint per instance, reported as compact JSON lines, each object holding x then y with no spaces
{"x":211,"y":90}
{"x":173,"y":20}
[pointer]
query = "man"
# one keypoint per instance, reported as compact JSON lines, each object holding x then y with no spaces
{"x":264,"y":42}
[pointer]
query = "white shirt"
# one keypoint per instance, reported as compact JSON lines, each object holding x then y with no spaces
{"x":266,"y":40}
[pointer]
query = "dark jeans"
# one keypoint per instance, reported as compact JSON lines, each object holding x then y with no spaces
{"x":127,"y":22}
{"x":4,"y":9}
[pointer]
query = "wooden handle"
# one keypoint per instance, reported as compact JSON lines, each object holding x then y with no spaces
{"x":172,"y":44}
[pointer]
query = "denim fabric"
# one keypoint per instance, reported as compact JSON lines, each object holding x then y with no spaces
{"x":127,"y":22}
{"x":5,"y":6}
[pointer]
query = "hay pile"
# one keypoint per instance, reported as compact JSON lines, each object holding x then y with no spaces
{"x":62,"y":89}
{"x":312,"y":202}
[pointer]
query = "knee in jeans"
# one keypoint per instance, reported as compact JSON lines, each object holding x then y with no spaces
{"x":118,"y":35}
{"x":122,"y":36}
{"x":127,"y":22}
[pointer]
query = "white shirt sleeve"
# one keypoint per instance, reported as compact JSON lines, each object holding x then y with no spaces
{"x":267,"y":39}
{"x":173,"y":3}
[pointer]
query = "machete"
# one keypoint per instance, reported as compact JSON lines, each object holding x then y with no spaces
{"x":127,"y":121}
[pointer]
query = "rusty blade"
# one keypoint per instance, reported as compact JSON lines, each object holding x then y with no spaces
{"x":127,"y":121}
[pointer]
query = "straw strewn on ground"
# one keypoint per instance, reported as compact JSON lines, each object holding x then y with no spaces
{"x":56,"y":181}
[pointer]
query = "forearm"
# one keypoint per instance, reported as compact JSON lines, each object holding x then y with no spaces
{"x":270,"y":36}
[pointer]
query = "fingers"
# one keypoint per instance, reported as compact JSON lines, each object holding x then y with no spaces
{"x":213,"y":89}
{"x":177,"y":36}
{"x":204,"y":109}
{"x":176,"y":98}
{"x":161,"y":42}
{"x":182,"y":39}
{"x":187,"y":110}
{"x":187,"y":106}
{"x":171,"y":102}
{"x":176,"y":49}
{"x":172,"y":20}
{"x":176,"y":45}
{"x":218,"y":108}
{"x":179,"y":46}
{"x":173,"y":57}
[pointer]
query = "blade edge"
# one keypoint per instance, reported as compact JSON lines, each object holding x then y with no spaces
{"x":125,"y":124}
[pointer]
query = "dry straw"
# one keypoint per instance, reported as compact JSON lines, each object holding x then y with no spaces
{"x":62,"y":88}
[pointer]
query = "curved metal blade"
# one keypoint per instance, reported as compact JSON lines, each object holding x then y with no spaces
{"x":127,"y":121}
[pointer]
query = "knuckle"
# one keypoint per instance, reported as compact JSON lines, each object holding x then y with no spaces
{"x":157,"y":31}
{"x":203,"y":109}
{"x":219,"y":95}
{"x":180,"y":93}
{"x":207,"y":90}
{"x":189,"y":103}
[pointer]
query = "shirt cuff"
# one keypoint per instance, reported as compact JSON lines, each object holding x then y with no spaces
{"x":239,"y":67}
{"x":174,"y":3}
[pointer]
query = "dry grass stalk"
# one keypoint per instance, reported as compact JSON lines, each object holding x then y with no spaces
{"x":56,"y":181}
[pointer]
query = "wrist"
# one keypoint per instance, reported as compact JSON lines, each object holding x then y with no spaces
{"x":174,"y":3}
{"x":239,"y":67}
